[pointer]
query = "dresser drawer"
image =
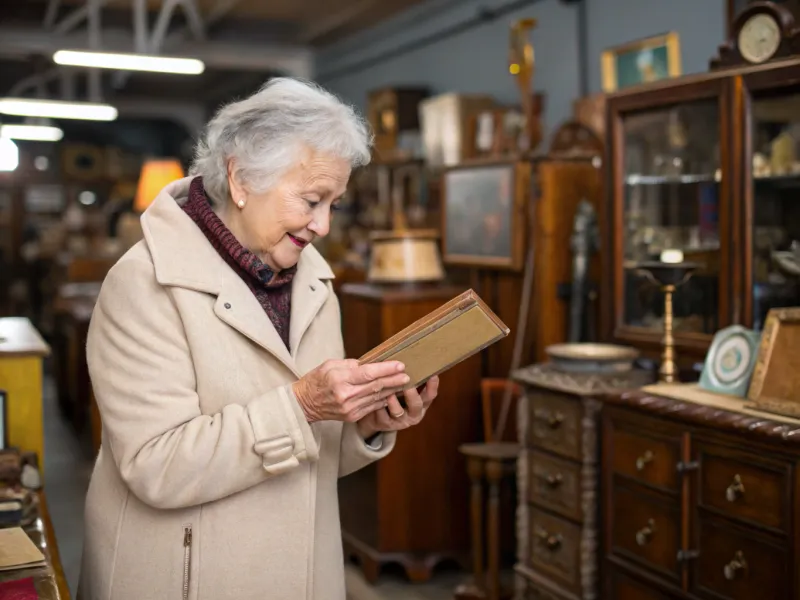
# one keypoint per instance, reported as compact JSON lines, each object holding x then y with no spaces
{"x":736,"y":565}
{"x":751,"y":491}
{"x":555,"y":548}
{"x":555,"y":423}
{"x":555,"y":484}
{"x":646,"y":529}
{"x":646,"y":457}
{"x":622,"y":587}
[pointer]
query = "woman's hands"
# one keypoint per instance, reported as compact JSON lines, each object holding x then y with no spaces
{"x":395,"y":417}
{"x":343,"y":390}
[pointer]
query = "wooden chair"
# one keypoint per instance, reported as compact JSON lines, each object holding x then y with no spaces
{"x":490,"y":462}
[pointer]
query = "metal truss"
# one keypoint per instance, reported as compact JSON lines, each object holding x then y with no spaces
{"x":82,"y":28}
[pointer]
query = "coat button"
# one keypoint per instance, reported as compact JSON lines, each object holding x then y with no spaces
{"x":227,"y":305}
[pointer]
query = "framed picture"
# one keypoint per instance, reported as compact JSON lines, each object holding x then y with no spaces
{"x":3,"y":419}
{"x":730,"y":361}
{"x":641,"y":61}
{"x":484,"y":214}
{"x":775,"y":386}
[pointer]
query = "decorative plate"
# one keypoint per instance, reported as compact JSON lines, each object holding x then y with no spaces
{"x":594,"y":358}
{"x":730,"y":361}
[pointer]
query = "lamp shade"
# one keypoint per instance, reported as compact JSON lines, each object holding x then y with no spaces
{"x":156,"y":174}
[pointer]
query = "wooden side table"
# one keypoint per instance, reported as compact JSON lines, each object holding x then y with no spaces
{"x":22,"y":351}
{"x":487,"y":463}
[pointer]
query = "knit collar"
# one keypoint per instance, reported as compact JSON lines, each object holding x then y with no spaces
{"x":199,"y":210}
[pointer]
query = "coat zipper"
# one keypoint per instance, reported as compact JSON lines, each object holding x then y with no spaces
{"x":187,"y":559}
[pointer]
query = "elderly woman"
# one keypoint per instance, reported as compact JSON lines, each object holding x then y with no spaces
{"x":216,"y":357}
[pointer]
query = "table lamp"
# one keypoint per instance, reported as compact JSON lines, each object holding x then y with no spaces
{"x":668,"y":273}
{"x":155,"y":175}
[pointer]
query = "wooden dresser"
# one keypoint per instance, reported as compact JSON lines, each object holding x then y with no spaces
{"x":558,"y":419}
{"x":410,"y":507}
{"x":701,"y":498}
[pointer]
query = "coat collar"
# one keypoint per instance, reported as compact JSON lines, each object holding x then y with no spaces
{"x":183,"y":257}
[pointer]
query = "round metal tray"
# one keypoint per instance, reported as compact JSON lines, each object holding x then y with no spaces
{"x":592,"y":358}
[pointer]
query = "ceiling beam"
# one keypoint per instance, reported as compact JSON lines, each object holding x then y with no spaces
{"x":321,"y":27}
{"x":291,"y":60}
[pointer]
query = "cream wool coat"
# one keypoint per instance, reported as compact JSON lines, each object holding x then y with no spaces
{"x":210,"y":484}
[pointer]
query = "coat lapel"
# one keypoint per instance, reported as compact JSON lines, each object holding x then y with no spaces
{"x":183,"y":257}
{"x":241,"y":310}
{"x":309,"y":294}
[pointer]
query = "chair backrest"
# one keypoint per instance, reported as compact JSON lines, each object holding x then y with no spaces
{"x":82,"y":270}
{"x":492,"y":393}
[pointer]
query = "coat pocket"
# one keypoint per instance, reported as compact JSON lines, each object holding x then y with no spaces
{"x":187,"y":559}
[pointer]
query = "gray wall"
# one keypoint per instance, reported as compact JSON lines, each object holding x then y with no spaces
{"x":475,"y":60}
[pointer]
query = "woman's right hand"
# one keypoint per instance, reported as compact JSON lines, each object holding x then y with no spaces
{"x":343,"y":390}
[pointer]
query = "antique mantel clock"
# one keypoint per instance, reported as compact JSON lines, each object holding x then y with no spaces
{"x":763,"y":31}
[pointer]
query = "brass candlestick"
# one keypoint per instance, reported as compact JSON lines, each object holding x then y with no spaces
{"x":668,"y":276}
{"x":521,"y":65}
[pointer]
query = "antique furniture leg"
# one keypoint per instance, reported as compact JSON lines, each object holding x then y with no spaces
{"x":494,"y":474}
{"x":475,"y":590}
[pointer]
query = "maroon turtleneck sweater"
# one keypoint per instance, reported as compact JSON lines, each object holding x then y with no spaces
{"x":273,"y":290}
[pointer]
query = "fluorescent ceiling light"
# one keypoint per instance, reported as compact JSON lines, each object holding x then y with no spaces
{"x":57,"y":109}
{"x":40,"y":133}
{"x":9,"y":155}
{"x":129,"y":62}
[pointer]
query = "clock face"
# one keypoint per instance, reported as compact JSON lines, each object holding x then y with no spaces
{"x":759,"y":38}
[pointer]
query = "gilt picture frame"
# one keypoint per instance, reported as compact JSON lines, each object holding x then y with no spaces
{"x":641,"y":61}
{"x":484,"y":214}
{"x":775,"y":385}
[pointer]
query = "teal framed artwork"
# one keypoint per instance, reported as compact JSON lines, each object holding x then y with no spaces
{"x":641,"y":61}
{"x":730,"y":361}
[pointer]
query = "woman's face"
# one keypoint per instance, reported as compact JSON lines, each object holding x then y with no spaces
{"x":276,"y":225}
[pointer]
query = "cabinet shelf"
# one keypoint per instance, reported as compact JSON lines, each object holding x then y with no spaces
{"x":636,"y":179}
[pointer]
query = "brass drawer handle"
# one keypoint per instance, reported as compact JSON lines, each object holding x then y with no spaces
{"x":552,"y":481}
{"x":553,"y":419}
{"x":735,"y":490}
{"x":735,"y":567}
{"x":550,"y":541}
{"x":645,"y":533}
{"x":644,"y":459}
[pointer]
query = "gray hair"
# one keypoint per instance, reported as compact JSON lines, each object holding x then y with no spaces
{"x":263,"y":134}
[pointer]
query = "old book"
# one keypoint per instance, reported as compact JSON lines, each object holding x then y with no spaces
{"x":18,"y":551}
{"x":453,"y":332}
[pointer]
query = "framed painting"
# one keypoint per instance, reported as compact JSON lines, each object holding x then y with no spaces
{"x":484,"y":214}
{"x":641,"y":61}
{"x":775,"y":385}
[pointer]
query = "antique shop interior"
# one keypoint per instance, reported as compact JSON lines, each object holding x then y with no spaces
{"x":617,"y":181}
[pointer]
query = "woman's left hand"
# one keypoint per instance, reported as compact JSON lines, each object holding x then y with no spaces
{"x":393,"y":417}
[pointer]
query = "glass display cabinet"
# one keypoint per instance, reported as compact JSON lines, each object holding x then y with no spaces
{"x":669,"y":190}
{"x":771,"y":174}
{"x":709,"y":165}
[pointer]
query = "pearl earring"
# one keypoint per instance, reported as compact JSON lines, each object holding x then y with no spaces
{"x":240,"y":204}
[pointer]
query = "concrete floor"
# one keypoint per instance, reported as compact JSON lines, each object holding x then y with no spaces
{"x":68,"y":467}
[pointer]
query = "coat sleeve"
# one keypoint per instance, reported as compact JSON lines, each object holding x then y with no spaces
{"x":354,"y":453}
{"x":170,"y":454}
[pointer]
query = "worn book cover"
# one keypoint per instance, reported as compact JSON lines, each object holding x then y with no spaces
{"x":17,"y":550}
{"x":455,"y":331}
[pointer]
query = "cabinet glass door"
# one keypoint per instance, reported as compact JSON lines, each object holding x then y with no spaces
{"x":672,"y":202}
{"x":775,"y":234}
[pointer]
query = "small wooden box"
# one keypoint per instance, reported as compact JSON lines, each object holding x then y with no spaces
{"x":392,"y":111}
